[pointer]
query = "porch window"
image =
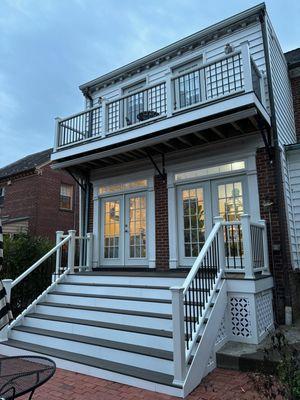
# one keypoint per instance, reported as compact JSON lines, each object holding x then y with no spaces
{"x":2,"y":193}
{"x":220,"y":169}
{"x":121,"y":187}
{"x":66,"y":197}
{"x":230,"y":196}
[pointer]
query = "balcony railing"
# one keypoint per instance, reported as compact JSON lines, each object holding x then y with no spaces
{"x":231,"y":74}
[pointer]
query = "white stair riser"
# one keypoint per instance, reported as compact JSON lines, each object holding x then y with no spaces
{"x":117,"y":291}
{"x":123,"y":357}
{"x":150,"y":341}
{"x":126,"y":280}
{"x":133,"y":305}
{"x":125,"y":319}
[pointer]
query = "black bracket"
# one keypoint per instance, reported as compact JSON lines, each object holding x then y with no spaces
{"x":266,"y":136}
{"x":162,"y":173}
{"x":83,"y":187}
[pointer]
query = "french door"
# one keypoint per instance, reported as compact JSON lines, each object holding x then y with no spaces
{"x":123,"y":238}
{"x":198,"y":204}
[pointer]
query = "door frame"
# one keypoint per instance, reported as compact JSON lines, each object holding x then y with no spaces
{"x":150,"y":199}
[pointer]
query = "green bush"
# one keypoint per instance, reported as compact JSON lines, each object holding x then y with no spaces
{"x":20,"y":252}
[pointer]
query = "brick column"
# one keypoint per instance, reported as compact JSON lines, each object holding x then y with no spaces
{"x":271,"y":207}
{"x":91,"y":209}
{"x":161,"y":222}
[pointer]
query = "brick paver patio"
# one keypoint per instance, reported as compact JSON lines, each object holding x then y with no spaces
{"x":219,"y":385}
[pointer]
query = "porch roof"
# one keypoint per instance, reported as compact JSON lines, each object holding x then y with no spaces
{"x":243,"y":122}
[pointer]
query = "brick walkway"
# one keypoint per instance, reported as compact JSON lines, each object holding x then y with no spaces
{"x":219,"y":385}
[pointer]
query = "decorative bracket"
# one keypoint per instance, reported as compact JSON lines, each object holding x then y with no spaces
{"x":162,"y":173}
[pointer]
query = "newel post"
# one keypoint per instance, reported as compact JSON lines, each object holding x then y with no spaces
{"x":266,"y":270}
{"x":221,"y":243}
{"x":7,"y":286}
{"x":89,"y":251}
{"x":59,"y":235}
{"x":246,"y":60}
{"x":247,"y":245}
{"x":178,"y":335}
{"x":57,"y":134}
{"x":71,"y":250}
{"x":169,"y":94}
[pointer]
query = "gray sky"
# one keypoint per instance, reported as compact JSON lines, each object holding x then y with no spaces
{"x":49,"y":47}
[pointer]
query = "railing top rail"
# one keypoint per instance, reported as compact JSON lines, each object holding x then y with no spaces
{"x":136,"y":92}
{"x":188,"y":280}
{"x":79,"y":113}
{"x":40,"y":261}
{"x":230,"y":223}
{"x":257,"y":224}
{"x":207,"y":64}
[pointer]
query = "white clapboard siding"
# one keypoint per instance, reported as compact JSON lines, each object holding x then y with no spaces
{"x":293,"y":158}
{"x":284,"y":113}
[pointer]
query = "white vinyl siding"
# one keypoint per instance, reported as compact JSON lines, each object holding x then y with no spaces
{"x":293,"y":158}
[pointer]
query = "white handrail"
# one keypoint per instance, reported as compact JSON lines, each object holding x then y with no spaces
{"x":40,"y":261}
{"x":197,"y":264}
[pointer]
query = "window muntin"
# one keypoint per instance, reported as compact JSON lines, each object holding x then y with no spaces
{"x":137,"y":227}
{"x":66,"y":197}
{"x":220,"y":169}
{"x":193,"y":221}
{"x":111,"y":229}
{"x":121,"y":187}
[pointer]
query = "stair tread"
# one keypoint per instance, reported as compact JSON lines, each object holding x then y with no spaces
{"x":108,"y":310}
{"x":131,"y":348}
{"x":112,"y":297}
{"x":107,"y":325}
{"x":136,"y":372}
{"x":137,"y":274}
{"x":117,"y":285}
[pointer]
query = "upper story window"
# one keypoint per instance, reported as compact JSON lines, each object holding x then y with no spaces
{"x":187,"y":84}
{"x":66,"y":197}
{"x":2,"y":193}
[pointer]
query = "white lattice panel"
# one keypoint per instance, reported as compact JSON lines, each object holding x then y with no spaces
{"x":264,"y":312}
{"x":222,"y":334}
{"x":239,"y":311}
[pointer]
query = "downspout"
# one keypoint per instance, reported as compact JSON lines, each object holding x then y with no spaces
{"x":277,"y":162}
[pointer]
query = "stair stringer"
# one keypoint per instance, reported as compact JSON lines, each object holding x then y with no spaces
{"x":198,"y":367}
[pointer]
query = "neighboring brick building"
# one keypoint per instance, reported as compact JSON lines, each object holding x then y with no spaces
{"x":36,"y":199}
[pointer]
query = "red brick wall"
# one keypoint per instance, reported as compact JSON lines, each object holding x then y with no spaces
{"x":161,"y":222}
{"x":279,"y":249}
{"x":36,"y":196}
{"x":295,"y":82}
{"x":91,"y":210}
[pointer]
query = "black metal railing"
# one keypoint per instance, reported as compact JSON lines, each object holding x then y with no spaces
{"x":198,"y":292}
{"x":233,"y":239}
{"x":256,"y":233}
{"x":137,"y":107}
{"x":81,"y":126}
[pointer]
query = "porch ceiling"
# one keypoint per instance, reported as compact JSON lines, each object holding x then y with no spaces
{"x":241,"y":123}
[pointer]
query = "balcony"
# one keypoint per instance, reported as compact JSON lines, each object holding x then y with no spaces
{"x":215,"y":87}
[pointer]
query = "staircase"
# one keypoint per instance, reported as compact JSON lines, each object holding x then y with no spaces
{"x":150,"y":329}
{"x":115,"y":325}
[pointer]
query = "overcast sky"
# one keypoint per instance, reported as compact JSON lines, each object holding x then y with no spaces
{"x":49,"y":47}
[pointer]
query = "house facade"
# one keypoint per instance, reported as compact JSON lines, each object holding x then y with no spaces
{"x":187,"y":216}
{"x":201,"y":123}
{"x":35,"y":199}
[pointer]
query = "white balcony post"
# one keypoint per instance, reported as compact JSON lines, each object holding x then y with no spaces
{"x":59,"y":235}
{"x":246,"y":62}
{"x":221,"y":243}
{"x":57,"y":134}
{"x":71,"y":250}
{"x":169,"y":94}
{"x":266,"y":269}
{"x":89,"y":251}
{"x":262,"y":87}
{"x":7,"y":286}
{"x":104,"y":119}
{"x":247,"y":245}
{"x":178,"y":335}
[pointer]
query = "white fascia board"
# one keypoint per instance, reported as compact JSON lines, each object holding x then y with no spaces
{"x":249,"y":285}
{"x":167,"y":123}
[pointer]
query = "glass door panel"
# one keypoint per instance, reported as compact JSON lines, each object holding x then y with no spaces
{"x":136,"y":229}
{"x":194,"y":221}
{"x":112,"y":231}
